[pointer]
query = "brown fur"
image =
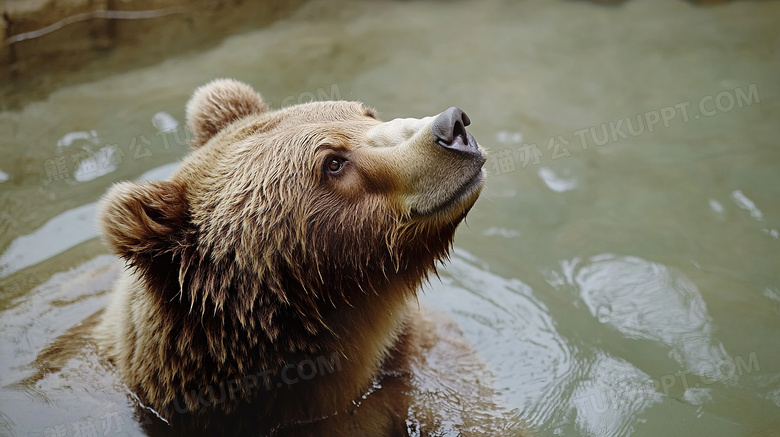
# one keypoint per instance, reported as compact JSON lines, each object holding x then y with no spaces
{"x":211,"y":109}
{"x":253,"y":256}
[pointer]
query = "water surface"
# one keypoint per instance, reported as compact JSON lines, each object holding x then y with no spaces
{"x":619,"y":274}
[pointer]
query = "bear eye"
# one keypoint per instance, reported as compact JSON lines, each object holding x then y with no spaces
{"x":335,"y":164}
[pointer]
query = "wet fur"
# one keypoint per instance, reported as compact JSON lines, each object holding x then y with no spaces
{"x":248,"y":259}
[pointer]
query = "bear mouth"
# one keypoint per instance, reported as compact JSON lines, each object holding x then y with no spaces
{"x":466,"y":193}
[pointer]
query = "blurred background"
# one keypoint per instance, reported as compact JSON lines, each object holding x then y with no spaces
{"x":620,"y":274}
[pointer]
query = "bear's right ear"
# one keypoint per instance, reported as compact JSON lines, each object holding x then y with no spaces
{"x":217,"y":104}
{"x":142,"y":220}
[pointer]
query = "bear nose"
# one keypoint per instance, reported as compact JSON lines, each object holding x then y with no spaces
{"x":449,"y":129}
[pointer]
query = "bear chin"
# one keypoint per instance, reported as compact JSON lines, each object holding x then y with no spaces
{"x":458,"y":205}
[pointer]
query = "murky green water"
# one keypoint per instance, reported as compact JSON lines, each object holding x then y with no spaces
{"x":620,"y":274}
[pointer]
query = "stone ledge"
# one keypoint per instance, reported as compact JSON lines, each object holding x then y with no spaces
{"x":43,"y":43}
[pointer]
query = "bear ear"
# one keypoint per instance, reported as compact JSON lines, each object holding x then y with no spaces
{"x":142,"y":220}
{"x":217,"y":104}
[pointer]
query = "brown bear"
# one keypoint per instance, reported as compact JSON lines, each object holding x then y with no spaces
{"x":271,"y":281}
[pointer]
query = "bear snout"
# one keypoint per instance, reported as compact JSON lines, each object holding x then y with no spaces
{"x":449,"y":129}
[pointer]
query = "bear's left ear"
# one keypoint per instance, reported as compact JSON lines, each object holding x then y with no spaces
{"x":217,"y":104}
{"x":143,"y":220}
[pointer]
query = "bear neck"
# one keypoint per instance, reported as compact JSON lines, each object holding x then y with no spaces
{"x":238,"y":319}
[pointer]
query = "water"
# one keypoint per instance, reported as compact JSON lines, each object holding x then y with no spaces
{"x":619,"y":274}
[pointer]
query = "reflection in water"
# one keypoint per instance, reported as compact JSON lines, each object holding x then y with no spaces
{"x":65,"y":300}
{"x":557,"y":182}
{"x":57,"y":235}
{"x":81,"y":391}
{"x":90,"y":164}
{"x":642,"y":301}
{"x":68,"y":139}
{"x":62,"y":232}
{"x":501,"y":232}
{"x":614,"y":394}
{"x":508,"y":137}
{"x":562,"y":385}
{"x":164,"y":122}
{"x":743,"y":202}
{"x":716,"y":206}
{"x":514,"y":332}
{"x":648,"y":301}
{"x":100,"y":163}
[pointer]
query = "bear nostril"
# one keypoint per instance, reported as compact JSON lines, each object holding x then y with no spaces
{"x":449,"y":129}
{"x":459,"y":131}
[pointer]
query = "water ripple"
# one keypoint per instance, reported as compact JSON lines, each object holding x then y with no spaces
{"x":62,"y":232}
{"x":513,"y":331}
